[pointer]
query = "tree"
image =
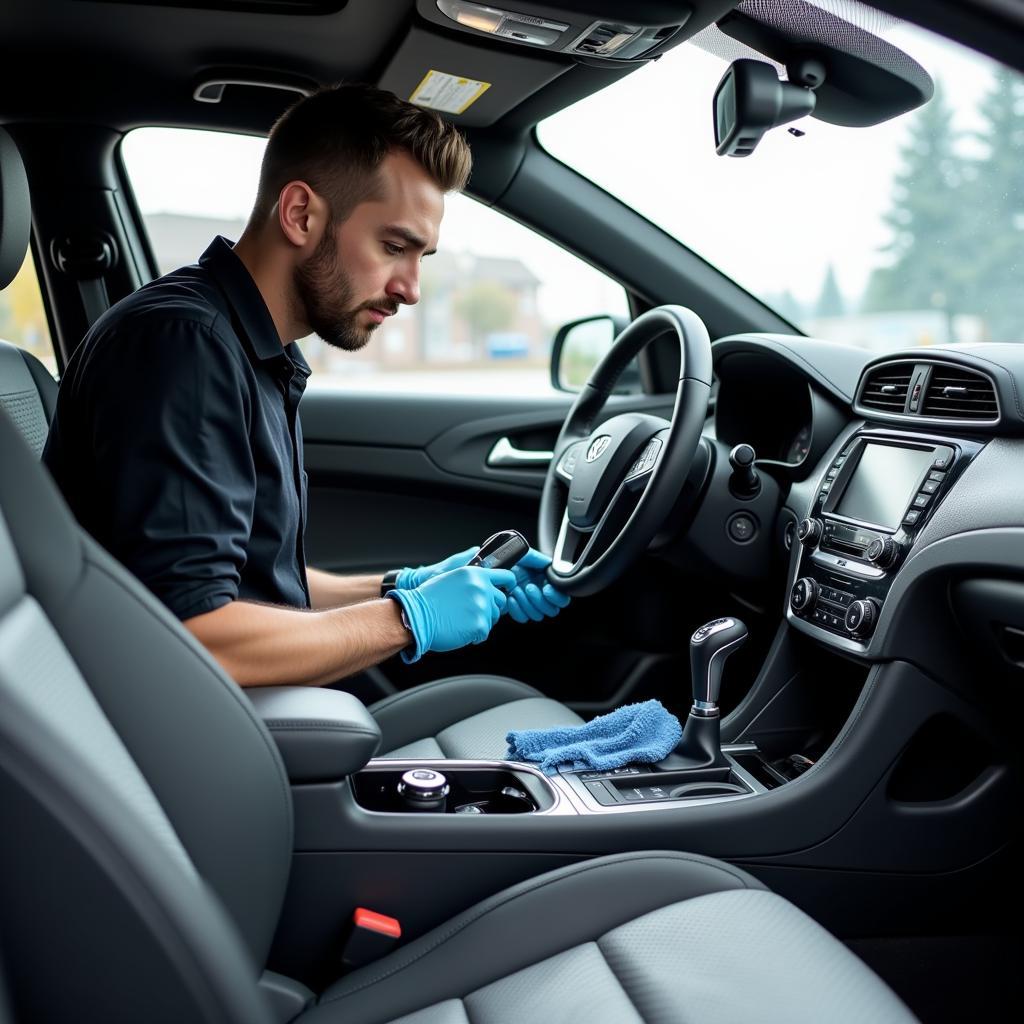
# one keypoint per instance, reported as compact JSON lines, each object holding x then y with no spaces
{"x":830,"y":301}
{"x":786,"y":305}
{"x":998,"y":210}
{"x":931,"y":252}
{"x":486,"y":306}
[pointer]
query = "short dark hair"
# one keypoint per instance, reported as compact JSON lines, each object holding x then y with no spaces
{"x":335,"y":140}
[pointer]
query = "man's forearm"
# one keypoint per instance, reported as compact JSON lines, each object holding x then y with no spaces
{"x":264,"y":645}
{"x":328,"y":590}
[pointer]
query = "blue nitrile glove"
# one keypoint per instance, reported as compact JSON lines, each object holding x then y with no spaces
{"x":458,"y":607}
{"x":533,"y":597}
{"x":407,"y":579}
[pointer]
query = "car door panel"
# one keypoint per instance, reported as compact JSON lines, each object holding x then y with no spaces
{"x":403,"y":480}
{"x":431,"y":457}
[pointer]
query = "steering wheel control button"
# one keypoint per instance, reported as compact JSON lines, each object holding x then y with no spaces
{"x":742,"y":527}
{"x":567,"y":466}
{"x":423,"y":789}
{"x":861,"y":617}
{"x":647,"y":458}
{"x":804,"y":596}
{"x":809,"y":532}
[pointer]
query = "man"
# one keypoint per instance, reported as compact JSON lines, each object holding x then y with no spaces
{"x":176,"y":438}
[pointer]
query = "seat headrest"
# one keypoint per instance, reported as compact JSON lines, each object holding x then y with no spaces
{"x":15,"y":210}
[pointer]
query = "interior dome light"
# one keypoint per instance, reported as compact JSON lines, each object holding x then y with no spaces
{"x":523,"y":28}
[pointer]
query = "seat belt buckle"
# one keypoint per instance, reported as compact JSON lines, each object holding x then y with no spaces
{"x":370,"y":937}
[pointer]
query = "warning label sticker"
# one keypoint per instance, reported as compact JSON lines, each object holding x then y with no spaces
{"x":450,"y":94}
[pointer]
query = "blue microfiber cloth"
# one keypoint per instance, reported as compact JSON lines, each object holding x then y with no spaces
{"x":643,"y":732}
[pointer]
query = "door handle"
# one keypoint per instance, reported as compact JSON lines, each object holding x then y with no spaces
{"x":506,"y":456}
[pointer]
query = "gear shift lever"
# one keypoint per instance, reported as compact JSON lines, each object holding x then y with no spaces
{"x":710,"y":646}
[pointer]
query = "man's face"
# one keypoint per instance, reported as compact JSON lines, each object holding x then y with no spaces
{"x":366,"y":267}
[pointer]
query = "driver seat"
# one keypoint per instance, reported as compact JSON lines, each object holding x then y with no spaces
{"x":462,"y":717}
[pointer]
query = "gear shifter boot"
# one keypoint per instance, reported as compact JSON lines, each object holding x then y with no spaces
{"x":700,"y":749}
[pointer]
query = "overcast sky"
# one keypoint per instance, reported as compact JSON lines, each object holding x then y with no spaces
{"x":772,"y":221}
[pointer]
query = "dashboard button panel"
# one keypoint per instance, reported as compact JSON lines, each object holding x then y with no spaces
{"x":842,"y":576}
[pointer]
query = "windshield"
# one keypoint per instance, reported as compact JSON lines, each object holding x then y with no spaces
{"x":907,"y":233}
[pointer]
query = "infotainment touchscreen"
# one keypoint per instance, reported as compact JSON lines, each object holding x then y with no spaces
{"x":883,"y":482}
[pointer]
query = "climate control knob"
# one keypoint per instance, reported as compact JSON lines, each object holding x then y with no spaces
{"x":804,"y":595}
{"x":861,"y":617}
{"x":883,"y":552}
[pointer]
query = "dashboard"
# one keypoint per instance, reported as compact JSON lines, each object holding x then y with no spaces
{"x":905,"y":473}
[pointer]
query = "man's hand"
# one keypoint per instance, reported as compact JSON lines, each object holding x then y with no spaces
{"x":533,"y":597}
{"x":409,"y":579}
{"x":454,"y":609}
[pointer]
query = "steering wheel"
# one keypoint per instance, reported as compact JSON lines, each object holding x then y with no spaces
{"x":610,"y":487}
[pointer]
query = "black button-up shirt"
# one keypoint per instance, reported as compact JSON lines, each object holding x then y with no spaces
{"x":177,"y":443}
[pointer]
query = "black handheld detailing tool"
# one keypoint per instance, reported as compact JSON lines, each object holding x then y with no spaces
{"x":501,"y":550}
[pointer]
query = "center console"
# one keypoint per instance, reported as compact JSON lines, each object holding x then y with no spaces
{"x":695,"y":767}
{"x":871,"y":505}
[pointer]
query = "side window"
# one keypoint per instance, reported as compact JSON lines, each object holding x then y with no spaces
{"x":23,"y":317}
{"x":492,"y":296}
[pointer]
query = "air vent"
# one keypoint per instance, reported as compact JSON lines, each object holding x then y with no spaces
{"x":885,"y":387}
{"x":955,"y":393}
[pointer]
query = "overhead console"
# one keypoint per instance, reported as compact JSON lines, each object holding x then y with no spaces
{"x":872,"y":502}
{"x":581,"y":30}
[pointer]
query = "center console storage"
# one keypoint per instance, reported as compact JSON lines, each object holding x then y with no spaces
{"x":447,"y":787}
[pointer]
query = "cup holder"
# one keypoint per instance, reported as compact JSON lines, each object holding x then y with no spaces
{"x":466,"y":791}
{"x":692,"y":790}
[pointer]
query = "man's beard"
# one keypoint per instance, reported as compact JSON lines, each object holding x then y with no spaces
{"x":325,"y":291}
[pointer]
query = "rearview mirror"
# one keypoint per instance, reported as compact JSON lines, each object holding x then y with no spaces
{"x":580,"y":345}
{"x":751,"y":98}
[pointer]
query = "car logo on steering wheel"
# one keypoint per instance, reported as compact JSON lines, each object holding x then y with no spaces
{"x":597,"y":448}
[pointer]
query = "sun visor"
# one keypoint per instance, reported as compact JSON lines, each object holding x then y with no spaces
{"x":867,"y":79}
{"x":471,"y":85}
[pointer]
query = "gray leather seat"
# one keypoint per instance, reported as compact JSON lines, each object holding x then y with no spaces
{"x":461,"y":717}
{"x":28,"y":394}
{"x":148,"y":824}
{"x":154,"y":833}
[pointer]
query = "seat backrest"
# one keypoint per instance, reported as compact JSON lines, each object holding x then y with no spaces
{"x":28,"y":394}
{"x":146,"y":812}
